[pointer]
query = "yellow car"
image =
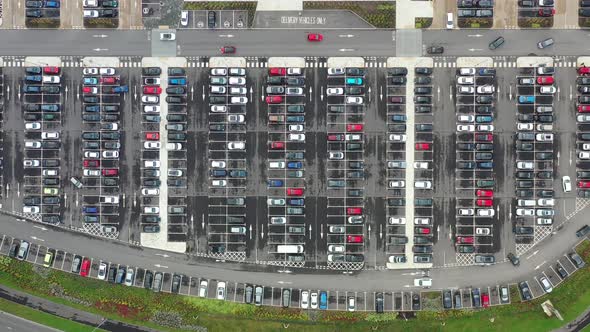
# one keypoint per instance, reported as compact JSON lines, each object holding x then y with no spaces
{"x":50,"y":191}
{"x":48,"y":259}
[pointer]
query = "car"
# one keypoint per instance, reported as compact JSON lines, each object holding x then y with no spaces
{"x":546,"y":12}
{"x":547,"y":89}
{"x":576,"y":260}
{"x":165,"y":36}
{"x":496,"y":43}
{"x":549,"y":41}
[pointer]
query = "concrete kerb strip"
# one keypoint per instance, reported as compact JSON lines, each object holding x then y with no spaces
{"x":160,"y":240}
{"x":583,"y":61}
{"x":534,"y":61}
{"x":227,"y":62}
{"x":36,"y":61}
{"x":295,"y":62}
{"x":101,"y":62}
{"x":344,"y":62}
{"x":477,"y":62}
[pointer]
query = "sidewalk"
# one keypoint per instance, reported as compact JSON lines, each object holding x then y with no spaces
{"x":406,"y":12}
{"x":275,"y":5}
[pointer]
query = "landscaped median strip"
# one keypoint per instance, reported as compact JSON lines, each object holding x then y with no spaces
{"x":181,"y":313}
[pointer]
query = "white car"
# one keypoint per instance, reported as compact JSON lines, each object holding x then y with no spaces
{"x":397,"y":220}
{"x":423,"y":184}
{"x":107,"y":71}
{"x":544,"y":281}
{"x":525,"y":212}
{"x":218,"y":108}
{"x":354,"y":100}
{"x":544,"y":137}
{"x":91,"y":172}
{"x":294,"y":71}
{"x":335,"y":155}
{"x":566,"y":183}
{"x":547,"y":89}
{"x":53,"y":79}
{"x":280,"y":221}
{"x":583,"y":118}
{"x":150,"y":99}
{"x":236,"y":118}
{"x":218,"y":183}
{"x":218,"y":89}
{"x":92,"y":154}
{"x":221,"y":290}
{"x":151,"y":145}
{"x":275,"y":202}
{"x":151,"y":81}
{"x":334,"y":91}
{"x":237,"y":81}
{"x":397,"y":137}
{"x":461,"y":128}
{"x":218,"y":71}
{"x":584,"y":155}
{"x":150,"y":191}
{"x":423,"y":282}
{"x":32,"y":125}
{"x":482,"y":231}
{"x":31,"y":163}
{"x":524,"y":126}
{"x":422,"y":221}
{"x":218,"y":164}
{"x":110,"y":154}
{"x":90,"y":71}
{"x":174,"y":146}
{"x":237,"y":71}
{"x":335,"y":71}
{"x":239,"y":100}
{"x":525,"y":165}
{"x":184,"y":18}
{"x":485,"y":89}
{"x":31,"y":209}
{"x":167,"y":36}
{"x":295,"y":127}
{"x":314,"y":300}
{"x":466,"y":212}
{"x":353,"y":137}
{"x":467,"y":71}
{"x":466,"y":89}
{"x":351,"y":304}
{"x":237,"y":145}
{"x":546,"y":202}
{"x":276,"y":164}
{"x":465,"y":80}
{"x":486,"y":212}
{"x":586,"y":146}
{"x":151,"y":163}
{"x":238,"y":90}
{"x":50,"y":135}
{"x":91,"y":13}
{"x":421,"y":165}
{"x":50,"y":172}
{"x":89,"y":3}
{"x":465,"y":118}
{"x":544,"y":221}
{"x":485,"y":128}
{"x":397,"y":184}
{"x":32,"y":144}
{"x":102,"y":271}
{"x":129,"y":276}
{"x":151,"y":210}
{"x":151,"y":108}
{"x":297,"y":137}
{"x":304,"y":299}
{"x":175,"y":173}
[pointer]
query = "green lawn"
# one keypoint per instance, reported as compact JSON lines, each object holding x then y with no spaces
{"x":43,"y":318}
{"x":178,"y":313}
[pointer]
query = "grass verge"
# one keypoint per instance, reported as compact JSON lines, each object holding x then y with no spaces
{"x":43,"y":318}
{"x":381,"y":14}
{"x":170,"y":312}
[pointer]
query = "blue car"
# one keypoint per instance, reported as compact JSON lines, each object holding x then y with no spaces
{"x":485,"y":164}
{"x":90,"y":209}
{"x":177,"y":81}
{"x":33,"y":78}
{"x":219,"y":173}
{"x":296,"y":201}
{"x":31,"y":88}
{"x":92,"y":108}
{"x":323,"y":300}
{"x":483,"y":119}
{"x":526,"y":99}
{"x":275,"y":183}
{"x":51,"y":4}
{"x":295,"y":165}
{"x":90,"y":81}
{"x":354,"y":81}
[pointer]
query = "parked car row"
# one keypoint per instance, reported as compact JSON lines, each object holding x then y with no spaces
{"x":583,"y":133}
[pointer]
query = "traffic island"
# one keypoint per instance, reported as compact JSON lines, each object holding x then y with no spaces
{"x":535,"y":22}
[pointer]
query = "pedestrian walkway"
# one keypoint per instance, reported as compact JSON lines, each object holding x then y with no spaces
{"x":274,"y":5}
{"x":407,"y":10}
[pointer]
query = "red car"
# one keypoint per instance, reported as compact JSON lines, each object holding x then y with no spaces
{"x":422,"y":146}
{"x":108,"y":80}
{"x":110,"y":172}
{"x":152,"y":90}
{"x":274,"y":99}
{"x":277,"y":71}
{"x":315,"y":37}
{"x":354,"y":211}
{"x":484,"y":193}
{"x":91,"y":163}
{"x":583,"y":70}
{"x":152,"y":136}
{"x":277,"y":145}
{"x":85,"y":268}
{"x":485,"y":300}
{"x":354,"y":239}
{"x":583,"y":108}
{"x":545,"y":80}
{"x":546,"y":12}
{"x":465,"y":239}
{"x":583,"y":184}
{"x":354,"y":127}
{"x":422,"y":230}
{"x":89,"y":89}
{"x":227,"y":50}
{"x":484,"y":202}
{"x":51,"y":70}
{"x":484,"y":137}
{"x":294,"y":191}
{"x":335,"y":137}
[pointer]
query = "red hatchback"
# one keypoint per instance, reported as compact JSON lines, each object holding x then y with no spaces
{"x":485,"y":300}
{"x":108,"y":80}
{"x":274,"y":99}
{"x":484,"y":193}
{"x":584,"y":70}
{"x":315,"y":37}
{"x":422,"y":146}
{"x":152,"y":136}
{"x":354,"y":127}
{"x":277,"y":71}
{"x":354,"y":211}
{"x":152,"y":90}
{"x":277,"y":145}
{"x":484,"y":202}
{"x":422,"y":230}
{"x":335,"y":137}
{"x":294,"y":191}
{"x":545,"y":80}
{"x":465,"y":239}
{"x":583,"y":108}
{"x":110,"y":172}
{"x":91,"y":163}
{"x":354,"y":239}
{"x":51,"y":70}
{"x":85,"y":268}
{"x":583,"y":184}
{"x":227,"y":50}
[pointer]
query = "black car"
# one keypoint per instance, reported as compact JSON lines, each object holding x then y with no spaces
{"x":544,"y":118}
{"x":151,"y":71}
{"x":526,"y":118}
{"x":435,"y":50}
{"x":423,"y":127}
{"x":398,"y":71}
{"x":422,"y":80}
{"x":396,"y":202}
{"x":496,"y":43}
{"x":524,"y":175}
{"x":513,"y":259}
{"x":584,"y":193}
{"x":398,"y":80}
{"x":211,"y":18}
{"x":33,"y":13}
{"x":13,"y":250}
{"x":112,"y":273}
{"x":295,"y":81}
{"x":355,"y":71}
{"x":546,"y":193}
{"x":353,"y":90}
{"x":525,"y":291}
{"x":50,"y":200}
{"x":524,"y":193}
{"x":32,"y":200}
{"x":151,"y":183}
{"x":175,"y":284}
{"x":176,"y":71}
{"x":177,"y":100}
{"x":415,"y":302}
{"x":545,"y":175}
{"x":90,"y":99}
{"x":523,"y":230}
{"x":422,"y":109}
{"x":379,"y":302}
{"x":561,"y":271}
{"x":583,"y":80}
{"x":422,"y":90}
{"x":484,"y":99}
{"x":584,"y":12}
{"x":109,"y":181}
{"x":466,"y":146}
{"x":484,"y":109}
{"x":523,"y":146}
{"x":148,"y":279}
{"x":108,"y":13}
{"x":447,"y":299}
{"x":423,"y":70}
{"x":583,"y":231}
{"x":577,"y":260}
{"x":176,"y":90}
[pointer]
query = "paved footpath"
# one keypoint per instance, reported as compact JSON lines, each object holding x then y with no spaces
{"x":66,"y":312}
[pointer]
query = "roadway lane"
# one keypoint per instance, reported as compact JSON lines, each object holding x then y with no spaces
{"x":287,"y":42}
{"x":366,"y":280}
{"x":14,"y":323}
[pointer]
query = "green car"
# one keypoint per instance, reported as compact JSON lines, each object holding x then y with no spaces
{"x":485,"y":183}
{"x":354,"y":81}
{"x":110,"y":4}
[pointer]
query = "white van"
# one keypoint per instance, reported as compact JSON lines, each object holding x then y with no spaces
{"x":567,"y":184}
{"x":289,"y":249}
{"x":450,"y":24}
{"x":526,"y":202}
